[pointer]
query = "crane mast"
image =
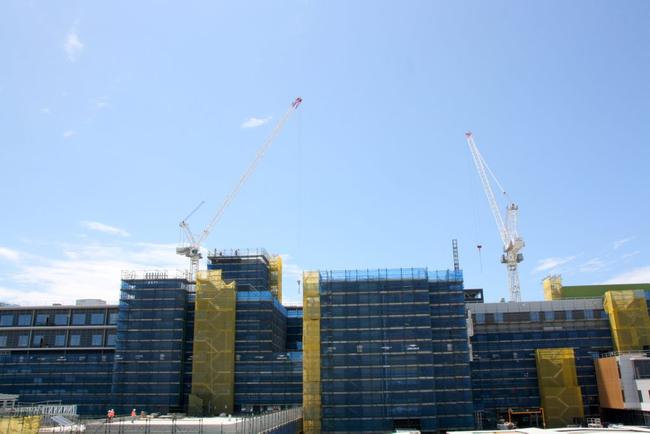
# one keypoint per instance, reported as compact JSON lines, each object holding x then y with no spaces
{"x":192,"y":249}
{"x":512,"y":242}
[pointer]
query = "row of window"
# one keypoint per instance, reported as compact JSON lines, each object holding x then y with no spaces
{"x":28,"y":319}
{"x":59,"y":340}
{"x":499,"y":317}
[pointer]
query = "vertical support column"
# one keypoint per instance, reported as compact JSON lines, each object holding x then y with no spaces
{"x":558,"y":386}
{"x":213,"y":359}
{"x":311,"y":353}
{"x":628,"y":319}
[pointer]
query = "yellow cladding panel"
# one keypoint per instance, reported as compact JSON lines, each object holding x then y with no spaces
{"x":213,"y":357}
{"x":276,"y":276}
{"x":552,"y":288}
{"x":20,"y":424}
{"x":311,"y":353}
{"x":558,"y":386}
{"x":628,"y":319}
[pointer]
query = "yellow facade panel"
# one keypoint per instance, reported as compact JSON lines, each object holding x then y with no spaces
{"x":20,"y":424}
{"x":213,"y":357}
{"x":311,"y":353}
{"x":558,"y":386}
{"x":628,"y":319}
{"x":275,"y":267}
{"x":552,"y":287}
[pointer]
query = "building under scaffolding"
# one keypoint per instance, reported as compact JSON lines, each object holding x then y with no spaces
{"x":385,"y":350}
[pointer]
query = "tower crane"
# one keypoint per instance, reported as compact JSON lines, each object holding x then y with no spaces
{"x":512,"y":242}
{"x":192,"y":246}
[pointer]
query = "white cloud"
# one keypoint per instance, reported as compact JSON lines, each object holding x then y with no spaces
{"x":618,"y":243}
{"x":73,"y":46}
{"x":99,"y":102}
{"x":552,"y":263}
{"x":595,"y":264}
{"x":255,"y":122}
{"x":46,"y":111}
{"x":637,"y":275}
{"x":9,"y":254}
{"x":101,"y":227}
{"x":69,"y":133}
{"x":89,"y":270}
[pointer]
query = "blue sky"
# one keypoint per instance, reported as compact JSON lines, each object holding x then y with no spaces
{"x":119,"y":117}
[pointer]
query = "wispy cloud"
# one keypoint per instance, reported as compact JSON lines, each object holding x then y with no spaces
{"x":87,"y":270}
{"x":46,"y":111}
{"x":73,"y":46}
{"x":594,"y":264}
{"x":100,"y":102}
{"x":637,"y":275}
{"x":548,"y":264}
{"x":69,"y":133}
{"x":101,"y":227}
{"x":9,"y":254}
{"x":255,"y":122}
{"x":630,"y":255}
{"x":618,"y":243}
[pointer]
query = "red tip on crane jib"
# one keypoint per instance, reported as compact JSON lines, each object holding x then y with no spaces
{"x":296,"y":103}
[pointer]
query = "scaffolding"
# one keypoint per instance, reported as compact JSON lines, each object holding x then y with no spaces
{"x":558,"y":386}
{"x":628,"y":319}
{"x":213,"y":360}
{"x":275,"y":284}
{"x":311,"y":355}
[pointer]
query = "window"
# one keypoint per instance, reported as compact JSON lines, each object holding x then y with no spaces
{"x":97,"y":318}
{"x":480,"y":318}
{"x":61,"y":319}
{"x":110,"y":340}
{"x":37,"y":340}
{"x":7,"y":320}
{"x":112,"y":318}
{"x":450,"y":347}
{"x":498,"y":317}
{"x":549,"y":315}
{"x":97,"y":340}
{"x":3,"y":341}
{"x":623,"y":395}
{"x":75,"y":340}
{"x":640,"y":396}
{"x":78,"y":319}
{"x":534,"y":316}
{"x":23,"y":340}
{"x":59,"y":341}
{"x":25,"y":319}
{"x":42,"y":319}
{"x":568,"y":315}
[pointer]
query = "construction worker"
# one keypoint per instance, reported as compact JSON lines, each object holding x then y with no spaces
{"x":133,"y":415}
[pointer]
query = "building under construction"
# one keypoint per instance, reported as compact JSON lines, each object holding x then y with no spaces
{"x":383,"y":349}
